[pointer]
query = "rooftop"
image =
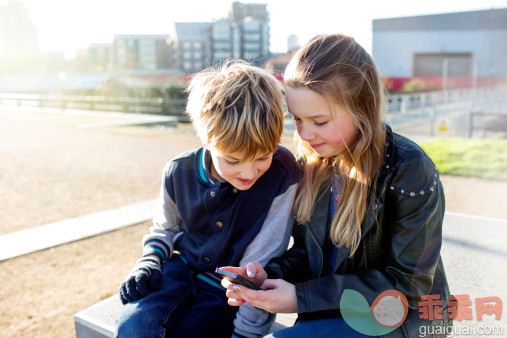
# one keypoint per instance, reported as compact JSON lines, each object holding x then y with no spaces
{"x":491,"y":19}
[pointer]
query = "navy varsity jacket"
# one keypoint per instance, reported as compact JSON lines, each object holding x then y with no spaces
{"x":213,"y":224}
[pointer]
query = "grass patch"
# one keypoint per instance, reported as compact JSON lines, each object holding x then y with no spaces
{"x":485,"y":158}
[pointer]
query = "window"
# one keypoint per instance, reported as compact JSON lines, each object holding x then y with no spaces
{"x":222,"y":54}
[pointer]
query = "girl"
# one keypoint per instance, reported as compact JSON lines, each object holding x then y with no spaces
{"x":369,"y":206}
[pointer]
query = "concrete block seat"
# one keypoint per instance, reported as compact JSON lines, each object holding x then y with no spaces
{"x":473,"y":252}
{"x":98,"y":320}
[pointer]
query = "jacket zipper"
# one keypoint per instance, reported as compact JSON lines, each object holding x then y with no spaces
{"x":367,"y":247}
{"x":320,"y":249}
{"x":366,"y":256}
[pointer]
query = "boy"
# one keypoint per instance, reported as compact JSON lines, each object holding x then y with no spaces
{"x":225,"y":204}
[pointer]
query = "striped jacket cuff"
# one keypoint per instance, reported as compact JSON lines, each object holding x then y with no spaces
{"x":150,"y":250}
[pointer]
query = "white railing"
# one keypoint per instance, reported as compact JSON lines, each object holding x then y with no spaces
{"x":403,"y":103}
{"x":457,"y":113}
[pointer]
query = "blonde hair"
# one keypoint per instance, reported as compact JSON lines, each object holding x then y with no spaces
{"x":238,"y":107}
{"x":339,"y":69}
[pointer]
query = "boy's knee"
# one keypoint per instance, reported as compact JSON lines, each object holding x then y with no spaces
{"x":137,"y":324}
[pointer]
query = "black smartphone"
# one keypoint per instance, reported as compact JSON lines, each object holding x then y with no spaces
{"x":237,"y":279}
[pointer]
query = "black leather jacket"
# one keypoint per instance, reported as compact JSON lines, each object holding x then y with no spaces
{"x":399,"y":248}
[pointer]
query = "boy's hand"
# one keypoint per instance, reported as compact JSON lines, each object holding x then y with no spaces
{"x":144,"y":278}
{"x":254,"y":272}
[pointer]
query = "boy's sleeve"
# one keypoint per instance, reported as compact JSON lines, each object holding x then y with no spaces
{"x":271,"y":241}
{"x":166,"y":223}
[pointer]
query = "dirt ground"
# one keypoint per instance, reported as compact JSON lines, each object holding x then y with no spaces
{"x":52,"y":168}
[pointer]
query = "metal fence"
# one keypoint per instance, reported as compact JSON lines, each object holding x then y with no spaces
{"x":159,"y":106}
{"x":454,"y":113}
{"x":457,"y":113}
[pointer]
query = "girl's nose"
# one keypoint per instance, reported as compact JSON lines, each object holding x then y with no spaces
{"x":305,"y":133}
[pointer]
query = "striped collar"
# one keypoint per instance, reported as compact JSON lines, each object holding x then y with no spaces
{"x":205,"y":167}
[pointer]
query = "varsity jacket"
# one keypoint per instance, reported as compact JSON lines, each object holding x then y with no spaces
{"x":213,"y":224}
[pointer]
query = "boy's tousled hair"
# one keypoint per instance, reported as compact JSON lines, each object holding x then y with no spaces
{"x":237,"y":107}
{"x":338,"y":68}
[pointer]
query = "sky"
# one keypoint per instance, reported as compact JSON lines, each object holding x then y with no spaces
{"x":66,"y":25}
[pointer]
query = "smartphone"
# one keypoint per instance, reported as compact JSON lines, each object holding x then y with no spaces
{"x":237,"y":279}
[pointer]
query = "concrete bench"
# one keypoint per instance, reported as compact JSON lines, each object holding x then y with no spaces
{"x":473,"y":252}
{"x":98,"y":320}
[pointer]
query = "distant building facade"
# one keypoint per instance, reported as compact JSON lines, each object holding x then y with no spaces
{"x":253,"y":25}
{"x":18,"y":36}
{"x":192,"y":44}
{"x":240,"y":11}
{"x":244,"y":34}
{"x":293,"y":42}
{"x":100,"y":57}
{"x":141,"y":52}
{"x":19,"y":43}
{"x":465,"y":44}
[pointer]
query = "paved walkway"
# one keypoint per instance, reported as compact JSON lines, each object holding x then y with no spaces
{"x":475,"y":256}
{"x":46,"y":236}
{"x":120,"y":119}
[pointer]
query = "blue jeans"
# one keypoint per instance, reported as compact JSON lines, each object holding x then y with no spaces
{"x":327,"y":327}
{"x":183,"y":306}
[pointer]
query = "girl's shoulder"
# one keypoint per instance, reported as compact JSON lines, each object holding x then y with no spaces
{"x":414,"y":173}
{"x":407,"y":150}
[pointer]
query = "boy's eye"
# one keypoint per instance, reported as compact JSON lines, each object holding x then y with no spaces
{"x":263,"y":158}
{"x":231,"y":163}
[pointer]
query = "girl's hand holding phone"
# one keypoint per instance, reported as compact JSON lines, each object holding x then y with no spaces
{"x":277,"y":295}
{"x":253,"y":272}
